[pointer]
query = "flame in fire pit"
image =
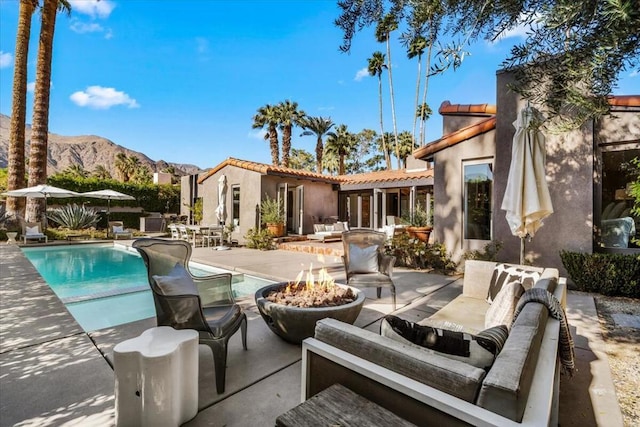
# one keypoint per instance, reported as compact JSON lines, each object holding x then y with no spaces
{"x":311,"y":292}
{"x":325,"y":281}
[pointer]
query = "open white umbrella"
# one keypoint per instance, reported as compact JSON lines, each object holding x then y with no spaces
{"x":108,"y":195}
{"x":41,"y":191}
{"x":526,"y":199}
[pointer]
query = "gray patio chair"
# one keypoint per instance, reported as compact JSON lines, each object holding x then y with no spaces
{"x":184,"y":301}
{"x":365,"y":263}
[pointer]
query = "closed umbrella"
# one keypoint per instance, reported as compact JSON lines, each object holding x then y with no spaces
{"x":526,"y":200}
{"x":222,"y":191}
{"x":41,"y":191}
{"x":108,"y":195}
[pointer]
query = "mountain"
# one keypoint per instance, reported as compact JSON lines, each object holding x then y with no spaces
{"x":87,"y":151}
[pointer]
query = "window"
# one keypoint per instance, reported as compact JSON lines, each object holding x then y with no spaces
{"x":618,"y":225}
{"x":477,"y":191}
{"x":235,"y":193}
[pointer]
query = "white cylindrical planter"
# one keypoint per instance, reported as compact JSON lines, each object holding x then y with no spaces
{"x":156,"y":378}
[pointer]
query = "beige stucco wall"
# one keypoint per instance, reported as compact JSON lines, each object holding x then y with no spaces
{"x":448,"y":192}
{"x":452,"y":123}
{"x":570,"y":166}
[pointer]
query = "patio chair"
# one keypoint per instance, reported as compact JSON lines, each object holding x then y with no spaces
{"x":175,"y":234}
{"x":184,"y":301}
{"x":212,"y":234}
{"x":116,"y":229}
{"x":365,"y":263}
{"x":31,"y":231}
{"x":183,"y":232}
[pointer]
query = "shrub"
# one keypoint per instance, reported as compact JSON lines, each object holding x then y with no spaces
{"x":259,"y":239}
{"x":73,"y":217}
{"x":488,"y":253}
{"x":271,"y":211}
{"x":413,"y":253}
{"x":607,"y":274}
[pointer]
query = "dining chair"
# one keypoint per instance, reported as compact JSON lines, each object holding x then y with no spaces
{"x":184,"y":301}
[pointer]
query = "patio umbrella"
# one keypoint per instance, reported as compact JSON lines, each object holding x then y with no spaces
{"x":41,"y":191}
{"x":108,"y":195}
{"x":222,"y":191}
{"x":526,"y":199}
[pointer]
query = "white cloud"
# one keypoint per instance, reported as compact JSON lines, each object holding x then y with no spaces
{"x":81,"y":27}
{"x":31,"y":87}
{"x":362,"y":73}
{"x":93,"y":8}
{"x":520,"y":30}
{"x":258,"y":134}
{"x":635,"y":73}
{"x":6,"y":59}
{"x":102,"y":98}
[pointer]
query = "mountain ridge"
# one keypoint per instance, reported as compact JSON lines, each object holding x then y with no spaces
{"x":88,"y":151}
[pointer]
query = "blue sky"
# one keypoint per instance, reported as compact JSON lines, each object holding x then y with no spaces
{"x":181,"y":80}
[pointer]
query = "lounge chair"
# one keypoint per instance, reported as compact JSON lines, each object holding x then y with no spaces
{"x":116,"y":229}
{"x":184,"y":301}
{"x":31,"y":231}
{"x":365,"y":262}
{"x":328,"y":232}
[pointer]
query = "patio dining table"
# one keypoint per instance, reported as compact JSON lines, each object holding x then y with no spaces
{"x":203,"y":230}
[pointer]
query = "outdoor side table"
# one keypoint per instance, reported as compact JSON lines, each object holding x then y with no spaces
{"x":339,"y":406}
{"x":156,"y":378}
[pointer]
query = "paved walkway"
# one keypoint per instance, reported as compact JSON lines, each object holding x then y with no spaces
{"x":53,"y":373}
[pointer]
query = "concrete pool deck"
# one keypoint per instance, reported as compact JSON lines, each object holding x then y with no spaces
{"x":53,"y":373}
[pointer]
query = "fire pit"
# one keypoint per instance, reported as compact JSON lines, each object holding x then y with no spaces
{"x":291,"y":309}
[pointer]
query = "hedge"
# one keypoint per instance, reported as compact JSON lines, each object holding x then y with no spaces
{"x":606,"y":274}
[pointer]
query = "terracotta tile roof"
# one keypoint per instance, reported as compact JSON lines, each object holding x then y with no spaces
{"x":446,"y":108}
{"x":385,"y":176}
{"x":266,"y":169}
{"x":455,"y":137}
{"x":625,"y":100}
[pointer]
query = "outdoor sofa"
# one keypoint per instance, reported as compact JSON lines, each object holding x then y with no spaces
{"x":328,"y":232}
{"x":425,"y":387}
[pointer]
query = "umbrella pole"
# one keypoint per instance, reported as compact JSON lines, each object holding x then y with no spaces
{"x":522,"y":251}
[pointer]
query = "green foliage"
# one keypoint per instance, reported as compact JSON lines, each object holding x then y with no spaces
{"x":607,"y":274}
{"x":271,"y":211}
{"x":259,"y":239}
{"x":635,"y":193}
{"x":4,"y":179}
{"x":196,"y":209}
{"x":488,"y":253}
{"x":420,"y":217}
{"x":302,"y":160}
{"x":151,"y":197}
{"x":73,"y":217}
{"x":413,"y":253}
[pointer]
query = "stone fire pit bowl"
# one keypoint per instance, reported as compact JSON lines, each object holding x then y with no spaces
{"x":294,"y":324}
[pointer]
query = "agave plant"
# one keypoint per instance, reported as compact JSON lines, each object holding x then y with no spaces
{"x":73,"y":217}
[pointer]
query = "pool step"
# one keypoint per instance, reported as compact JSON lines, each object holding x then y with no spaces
{"x":105,"y":294}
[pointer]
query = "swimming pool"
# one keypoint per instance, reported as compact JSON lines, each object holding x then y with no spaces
{"x":106,"y":285}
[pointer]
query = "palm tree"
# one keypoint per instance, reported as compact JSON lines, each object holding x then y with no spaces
{"x":415,"y":49}
{"x":384,"y":28}
{"x":318,"y":126}
{"x":406,"y":146}
{"x":376,"y":65}
{"x":288,"y":116}
{"x":122,"y":166}
{"x":342,"y":143}
{"x":141,"y":174}
{"x":330,"y":161}
{"x":267,"y":116}
{"x":76,"y":170}
{"x":101,"y":172}
{"x":40,"y":125}
{"x":423,"y":112}
{"x":16,"y":166}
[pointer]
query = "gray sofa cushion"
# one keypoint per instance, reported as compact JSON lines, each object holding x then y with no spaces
{"x":450,"y":376}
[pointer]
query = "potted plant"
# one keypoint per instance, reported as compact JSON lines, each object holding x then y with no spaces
{"x":272,"y":214}
{"x":419,"y":224}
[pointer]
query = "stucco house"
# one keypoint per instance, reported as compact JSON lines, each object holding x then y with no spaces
{"x":588,"y":172}
{"x":363,"y":200}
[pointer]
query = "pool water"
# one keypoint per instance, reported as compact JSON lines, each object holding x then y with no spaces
{"x":106,"y":285}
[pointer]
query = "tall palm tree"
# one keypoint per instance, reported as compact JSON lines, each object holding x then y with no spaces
{"x":40,"y":124}
{"x":267,"y":116}
{"x":318,"y":126}
{"x":101,"y":172}
{"x":342,"y":143}
{"x":385,"y":26}
{"x":376,"y":65}
{"x":330,"y":161}
{"x":288,"y":116}
{"x":406,"y":147}
{"x":16,"y":166}
{"x":415,"y":49}
{"x":76,"y":170}
{"x":123,"y":166}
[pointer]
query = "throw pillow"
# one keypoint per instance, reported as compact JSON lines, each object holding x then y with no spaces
{"x":503,"y":274}
{"x":338,"y":226}
{"x":177,"y":282}
{"x":118,"y":229}
{"x":30,"y":231}
{"x":479,"y":350}
{"x":500,"y":312}
{"x":363,"y":260}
